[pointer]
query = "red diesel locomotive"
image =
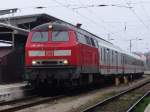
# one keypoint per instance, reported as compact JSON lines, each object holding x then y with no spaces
{"x":62,"y":54}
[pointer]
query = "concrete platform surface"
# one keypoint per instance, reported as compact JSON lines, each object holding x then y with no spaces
{"x":12,"y":91}
{"x":147,"y":72}
{"x":147,"y":108}
{"x":11,"y":87}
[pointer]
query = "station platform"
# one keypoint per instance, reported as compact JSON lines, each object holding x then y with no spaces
{"x":147,"y":108}
{"x":12,"y":86}
{"x":12,"y":91}
{"x":147,"y":72}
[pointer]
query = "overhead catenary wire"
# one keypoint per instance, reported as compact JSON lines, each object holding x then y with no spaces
{"x":101,"y":5}
{"x":71,"y":5}
{"x":95,"y":23}
{"x":87,"y":18}
{"x":68,"y":7}
{"x":146,"y":14}
{"x":75,"y":11}
{"x":140,"y":2}
{"x":100,"y":19}
{"x":139,"y":19}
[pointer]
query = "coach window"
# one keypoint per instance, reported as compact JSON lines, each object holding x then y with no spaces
{"x":108,"y":55}
{"x":101,"y":54}
{"x":58,"y":36}
{"x":120,"y":58}
{"x":40,"y":37}
{"x":104,"y":55}
{"x":116,"y":57}
{"x":112,"y":56}
{"x":127,"y":58}
{"x":107,"y":51}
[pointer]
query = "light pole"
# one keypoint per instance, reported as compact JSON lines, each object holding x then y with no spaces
{"x":131,"y":43}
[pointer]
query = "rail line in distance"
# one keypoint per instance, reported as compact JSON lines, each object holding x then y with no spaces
{"x":125,"y":101}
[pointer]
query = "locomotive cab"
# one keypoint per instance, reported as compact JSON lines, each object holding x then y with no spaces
{"x":53,"y":46}
{"x":51,"y":51}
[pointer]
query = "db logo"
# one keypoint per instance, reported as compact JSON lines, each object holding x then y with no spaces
{"x":49,"y":53}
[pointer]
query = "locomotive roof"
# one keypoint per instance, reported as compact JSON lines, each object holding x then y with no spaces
{"x":55,"y":26}
{"x":63,"y":26}
{"x":66,"y":26}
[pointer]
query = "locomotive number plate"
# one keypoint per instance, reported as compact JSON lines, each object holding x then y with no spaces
{"x":49,"y":53}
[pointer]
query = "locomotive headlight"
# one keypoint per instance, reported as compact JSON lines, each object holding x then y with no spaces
{"x":50,"y":26}
{"x":34,"y":62}
{"x":65,"y":62}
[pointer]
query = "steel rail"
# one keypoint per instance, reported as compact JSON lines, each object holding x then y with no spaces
{"x":107,"y":100}
{"x":3,"y":103}
{"x":132,"y":108}
{"x":30,"y":104}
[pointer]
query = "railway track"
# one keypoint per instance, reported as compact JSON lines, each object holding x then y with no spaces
{"x":122,"y":102}
{"x":133,"y":107}
{"x":29,"y":98}
{"x":106,"y":105}
{"x":34,"y":100}
{"x":10,"y":95}
{"x":16,"y":105}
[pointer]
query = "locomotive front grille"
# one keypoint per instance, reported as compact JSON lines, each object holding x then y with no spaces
{"x":49,"y":62}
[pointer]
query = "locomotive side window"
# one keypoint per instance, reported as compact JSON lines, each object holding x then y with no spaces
{"x":88,"y":41}
{"x":81,"y":38}
{"x":92,"y":42}
{"x":40,"y":37}
{"x":96,"y":43}
{"x":60,"y":36}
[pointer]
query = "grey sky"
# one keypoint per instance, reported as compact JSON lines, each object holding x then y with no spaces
{"x":107,"y":22}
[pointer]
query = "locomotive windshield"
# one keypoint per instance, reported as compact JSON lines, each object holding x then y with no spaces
{"x":58,"y":36}
{"x":40,"y":37}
